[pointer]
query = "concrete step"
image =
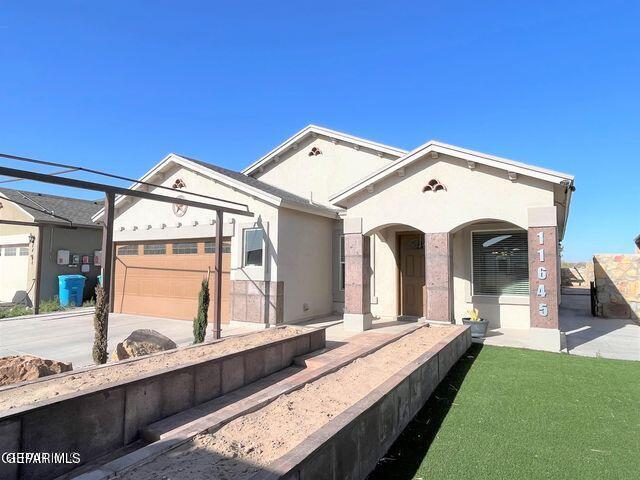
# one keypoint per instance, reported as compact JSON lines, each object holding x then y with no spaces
{"x":225,"y":407}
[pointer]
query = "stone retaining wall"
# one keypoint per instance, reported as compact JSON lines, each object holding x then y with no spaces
{"x":617,"y":280}
{"x":97,"y":421}
{"x":576,"y":274}
{"x":352,"y":443}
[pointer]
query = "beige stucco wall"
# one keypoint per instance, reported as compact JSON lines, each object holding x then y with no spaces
{"x":339,"y":166}
{"x":384,"y":275}
{"x":304,"y":264}
{"x":10,"y":211}
{"x":80,"y":241}
{"x":471,"y":195}
{"x":503,"y":311}
{"x":140,"y":214}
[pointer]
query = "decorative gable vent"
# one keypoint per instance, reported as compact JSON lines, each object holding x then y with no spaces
{"x":179,"y":183}
{"x":433,"y":186}
{"x":314,"y":152}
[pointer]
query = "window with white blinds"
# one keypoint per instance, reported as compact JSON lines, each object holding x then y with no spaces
{"x":500,"y":263}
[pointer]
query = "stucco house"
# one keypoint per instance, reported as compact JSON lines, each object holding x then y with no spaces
{"x":29,"y":265}
{"x":351,"y":226}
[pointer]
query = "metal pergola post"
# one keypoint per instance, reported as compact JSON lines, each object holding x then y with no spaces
{"x":107,"y":248}
{"x":217,"y":316}
{"x":36,"y":293}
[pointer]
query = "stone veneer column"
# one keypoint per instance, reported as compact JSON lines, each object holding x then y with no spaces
{"x":544,"y":278}
{"x":438,"y":298}
{"x":357,"y":291}
{"x":257,"y":302}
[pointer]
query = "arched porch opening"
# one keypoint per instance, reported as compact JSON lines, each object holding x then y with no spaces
{"x":490,"y":272}
{"x":397,"y":265}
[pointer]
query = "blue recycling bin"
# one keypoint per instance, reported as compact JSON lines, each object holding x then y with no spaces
{"x":71,"y":289}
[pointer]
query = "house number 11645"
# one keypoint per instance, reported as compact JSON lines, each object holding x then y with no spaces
{"x":543,"y":308}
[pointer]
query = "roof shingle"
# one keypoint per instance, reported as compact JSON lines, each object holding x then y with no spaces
{"x":78,"y":212}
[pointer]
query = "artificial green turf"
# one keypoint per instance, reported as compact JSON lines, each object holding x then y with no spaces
{"x":506,"y":413}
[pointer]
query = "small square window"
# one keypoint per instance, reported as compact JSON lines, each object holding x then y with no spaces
{"x":210,"y":247}
{"x":9,"y":251}
{"x":127,"y":250}
{"x":185,"y":248}
{"x":24,"y":251}
{"x":253,"y":247}
{"x":155,"y":249}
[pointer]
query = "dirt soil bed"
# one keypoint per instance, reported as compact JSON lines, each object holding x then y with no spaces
{"x":21,"y":395}
{"x":245,"y":445}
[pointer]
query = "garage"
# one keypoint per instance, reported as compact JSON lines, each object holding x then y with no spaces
{"x":162,"y":278}
{"x":14,"y":258}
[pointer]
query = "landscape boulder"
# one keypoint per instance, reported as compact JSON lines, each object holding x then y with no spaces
{"x":142,"y":342}
{"x":20,"y":368}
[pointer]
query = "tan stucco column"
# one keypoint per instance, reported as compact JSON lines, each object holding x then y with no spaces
{"x":438,"y":296}
{"x":357,"y":291}
{"x":544,"y":277}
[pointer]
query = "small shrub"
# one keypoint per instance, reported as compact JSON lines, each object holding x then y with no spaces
{"x":200,"y":322}
{"x":52,"y":305}
{"x":100,"y":322}
{"x":15,"y":311}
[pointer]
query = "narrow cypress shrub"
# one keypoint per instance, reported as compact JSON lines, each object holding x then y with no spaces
{"x":200,"y":322}
{"x":100,"y":319}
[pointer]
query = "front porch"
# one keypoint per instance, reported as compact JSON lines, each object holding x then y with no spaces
{"x":401,"y":273}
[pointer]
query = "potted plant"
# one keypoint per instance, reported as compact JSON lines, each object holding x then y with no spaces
{"x":478,"y":325}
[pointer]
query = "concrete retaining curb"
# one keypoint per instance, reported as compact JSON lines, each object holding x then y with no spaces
{"x":350,"y":446}
{"x":210,"y":421}
{"x":100,"y":420}
{"x":72,"y":312}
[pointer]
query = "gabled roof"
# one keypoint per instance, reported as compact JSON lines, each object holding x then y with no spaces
{"x":76,"y":211}
{"x":249,"y":185}
{"x":311,"y":130}
{"x":458,"y":152}
{"x":287,"y":198}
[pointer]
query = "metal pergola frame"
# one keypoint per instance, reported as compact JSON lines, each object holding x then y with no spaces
{"x":110,"y":192}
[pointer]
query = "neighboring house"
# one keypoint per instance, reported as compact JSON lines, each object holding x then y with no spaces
{"x":60,"y":223}
{"x":354,"y":227}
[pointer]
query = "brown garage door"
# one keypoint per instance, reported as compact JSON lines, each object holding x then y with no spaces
{"x":162,"y":279}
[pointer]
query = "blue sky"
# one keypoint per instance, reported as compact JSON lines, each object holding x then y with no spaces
{"x":117,"y":85}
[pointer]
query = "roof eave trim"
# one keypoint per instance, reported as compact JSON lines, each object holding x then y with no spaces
{"x":230,"y":182}
{"x":458,"y":152}
{"x":309,"y":129}
{"x":313,"y":209}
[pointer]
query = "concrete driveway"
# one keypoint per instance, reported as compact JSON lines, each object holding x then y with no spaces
{"x":592,"y":336}
{"x":68,"y":337}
